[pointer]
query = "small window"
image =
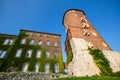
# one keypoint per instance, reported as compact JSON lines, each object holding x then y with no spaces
{"x":29,"y":53}
{"x":40,"y":43}
{"x":37,"y":67}
{"x":23,"y":41}
{"x":56,"y":68}
{"x":83,"y":20}
{"x":38,"y":55}
{"x":18,"y":53}
{"x":25,"y":67}
{"x":55,"y":54}
{"x":55,"y":44}
{"x":47,"y":68}
{"x":32,"y":42}
{"x":104,"y":44}
{"x":11,"y":42}
{"x":86,"y":34}
{"x":47,"y":54}
{"x":2,"y":53}
{"x":48,"y":43}
{"x":86,"y":26}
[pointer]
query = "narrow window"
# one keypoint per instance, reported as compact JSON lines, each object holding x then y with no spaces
{"x":55,"y":54}
{"x":25,"y":67}
{"x":38,"y":55}
{"x":37,"y":67}
{"x":2,"y":53}
{"x":47,"y":54}
{"x":86,"y":26}
{"x":40,"y":43}
{"x":55,"y":44}
{"x":86,"y":34}
{"x":32,"y":42}
{"x":56,"y":68}
{"x":47,"y":68}
{"x":18,"y":53}
{"x":6,"y":42}
{"x":23,"y":41}
{"x":48,"y":43}
{"x":29,"y":53}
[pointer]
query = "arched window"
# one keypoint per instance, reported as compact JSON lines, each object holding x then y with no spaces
{"x":25,"y":67}
{"x":37,"y":67}
{"x":56,"y":68}
{"x":32,"y":42}
{"x":47,"y":68}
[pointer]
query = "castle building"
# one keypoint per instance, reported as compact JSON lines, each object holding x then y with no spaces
{"x":31,"y":51}
{"x":80,"y":36}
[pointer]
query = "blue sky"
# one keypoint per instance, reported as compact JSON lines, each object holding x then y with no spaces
{"x":46,"y":16}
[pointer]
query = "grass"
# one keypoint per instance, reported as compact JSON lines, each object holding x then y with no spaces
{"x":90,"y":78}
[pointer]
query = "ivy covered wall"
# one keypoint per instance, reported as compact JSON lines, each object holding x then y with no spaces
{"x":17,"y":62}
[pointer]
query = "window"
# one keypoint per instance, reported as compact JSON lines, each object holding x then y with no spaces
{"x":47,"y":68}
{"x":29,"y":53}
{"x":56,"y":68}
{"x":55,"y":54}
{"x":47,"y":54}
{"x":23,"y":41}
{"x":48,"y":43}
{"x":40,"y":43}
{"x":2,"y":53}
{"x":83,"y":20}
{"x":18,"y":53}
{"x":55,"y":44}
{"x":31,"y":42}
{"x":8,"y":42}
{"x":86,"y":26}
{"x":38,"y":55}
{"x":37,"y":67}
{"x":25,"y":67}
{"x":86,"y":34}
{"x":104,"y":44}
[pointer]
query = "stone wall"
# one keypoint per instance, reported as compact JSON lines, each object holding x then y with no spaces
{"x":30,"y":76}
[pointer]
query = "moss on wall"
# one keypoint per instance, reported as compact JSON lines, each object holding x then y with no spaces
{"x":69,"y":56}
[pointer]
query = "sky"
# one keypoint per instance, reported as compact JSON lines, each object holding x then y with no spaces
{"x":46,"y":16}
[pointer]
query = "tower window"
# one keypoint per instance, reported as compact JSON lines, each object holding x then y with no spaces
{"x":86,"y":26}
{"x":29,"y":53}
{"x":18,"y":53}
{"x":2,"y":53}
{"x":86,"y":34}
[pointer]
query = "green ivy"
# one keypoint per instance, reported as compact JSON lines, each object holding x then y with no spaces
{"x":17,"y":63}
{"x":101,"y":62}
{"x":69,"y":56}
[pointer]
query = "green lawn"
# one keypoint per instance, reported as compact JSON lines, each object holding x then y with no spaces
{"x":89,"y":78}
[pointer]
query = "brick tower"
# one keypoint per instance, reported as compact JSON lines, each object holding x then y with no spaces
{"x":81,"y":35}
{"x":77,"y":26}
